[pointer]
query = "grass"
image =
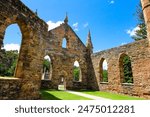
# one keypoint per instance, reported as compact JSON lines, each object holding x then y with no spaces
{"x":111,"y":95}
{"x":60,"y":95}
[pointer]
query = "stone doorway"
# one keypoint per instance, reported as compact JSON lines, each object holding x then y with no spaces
{"x":47,"y":68}
{"x":62,"y":83}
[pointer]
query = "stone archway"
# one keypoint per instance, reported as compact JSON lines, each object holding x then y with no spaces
{"x":47,"y":68}
{"x":103,"y":70}
{"x":28,"y":68}
{"x":26,"y":35}
{"x":10,"y":51}
{"x":62,"y":80}
{"x":77,"y":73}
{"x":125,"y":66}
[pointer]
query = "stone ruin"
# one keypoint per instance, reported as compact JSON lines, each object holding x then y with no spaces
{"x":37,"y":42}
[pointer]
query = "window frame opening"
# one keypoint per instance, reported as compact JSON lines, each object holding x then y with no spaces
{"x":126,"y":73}
{"x":103,"y":71}
{"x":47,"y":68}
{"x":12,"y":47}
{"x":77,"y":73}
{"x":64,"y":43}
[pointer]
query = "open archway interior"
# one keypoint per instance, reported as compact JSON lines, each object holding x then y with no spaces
{"x":47,"y":68}
{"x":126,"y":69}
{"x":77,"y":71}
{"x":62,"y":83}
{"x":64,"y":43}
{"x":103,"y":70}
{"x":9,"y":51}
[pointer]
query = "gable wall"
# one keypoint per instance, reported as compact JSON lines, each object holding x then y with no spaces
{"x":63,"y":58}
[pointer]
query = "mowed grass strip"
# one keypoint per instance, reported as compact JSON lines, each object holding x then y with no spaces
{"x":60,"y":95}
{"x":109,"y":95}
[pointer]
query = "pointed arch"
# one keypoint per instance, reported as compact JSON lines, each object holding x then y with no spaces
{"x":77,"y":74}
{"x":10,"y":50}
{"x":125,"y":66}
{"x":103,"y":70}
{"x":64,"y":43}
{"x":27,"y":34}
{"x":62,"y":80}
{"x":47,"y":68}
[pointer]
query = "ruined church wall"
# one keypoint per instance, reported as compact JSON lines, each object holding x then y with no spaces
{"x":34,"y":31}
{"x":63,"y":58}
{"x":140,"y":61}
{"x":9,"y":88}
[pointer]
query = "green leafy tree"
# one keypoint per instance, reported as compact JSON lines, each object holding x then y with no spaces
{"x":76,"y":73}
{"x":141,"y":33}
{"x":8,"y":60}
{"x":46,"y":64}
{"x":105,"y":76}
{"x":128,"y":77}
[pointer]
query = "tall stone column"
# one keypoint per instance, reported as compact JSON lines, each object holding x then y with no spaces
{"x":146,"y":11}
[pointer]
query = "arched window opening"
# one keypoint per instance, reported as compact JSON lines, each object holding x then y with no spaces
{"x":103,"y":71}
{"x":125,"y":69}
{"x":77,"y":72}
{"x":9,"y":51}
{"x":64,"y":43}
{"x":47,"y":68}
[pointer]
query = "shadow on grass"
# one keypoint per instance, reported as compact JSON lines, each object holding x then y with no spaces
{"x":47,"y":96}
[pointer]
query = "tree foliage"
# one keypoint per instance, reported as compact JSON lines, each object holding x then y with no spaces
{"x":76,"y":73}
{"x":141,"y":33}
{"x":8,"y":61}
{"x":127,"y":69}
{"x":105,"y":76}
{"x":46,"y":65}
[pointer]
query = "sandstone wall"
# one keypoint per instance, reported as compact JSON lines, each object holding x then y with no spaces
{"x":34,"y":31}
{"x":37,"y":42}
{"x":63,"y":58}
{"x":9,"y":88}
{"x":140,"y":60}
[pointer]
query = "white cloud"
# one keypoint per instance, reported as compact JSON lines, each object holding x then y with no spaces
{"x":111,"y":2}
{"x":132,"y":32}
{"x":12,"y":46}
{"x":76,"y":64}
{"x":86,"y":25}
{"x":52,"y":25}
{"x":105,"y":65}
{"x":75,"y":26}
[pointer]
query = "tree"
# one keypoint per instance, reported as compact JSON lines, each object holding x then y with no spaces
{"x":105,"y":76}
{"x":76,"y":73}
{"x":8,"y":60}
{"x":128,"y":77}
{"x":46,"y":65}
{"x":141,"y":33}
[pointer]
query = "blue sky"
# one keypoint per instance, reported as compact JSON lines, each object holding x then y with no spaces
{"x":111,"y":22}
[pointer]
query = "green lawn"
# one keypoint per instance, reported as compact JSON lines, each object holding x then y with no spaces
{"x":111,"y":95}
{"x":60,"y":95}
